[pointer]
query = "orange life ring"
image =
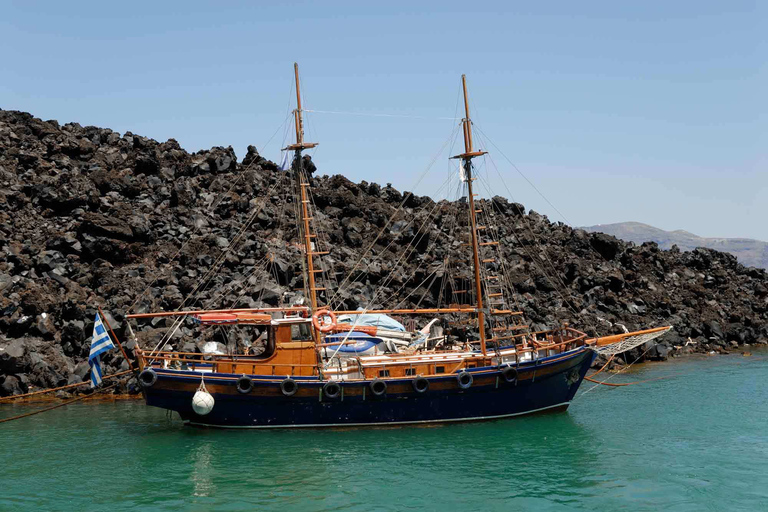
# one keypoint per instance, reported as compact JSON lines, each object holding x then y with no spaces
{"x":324,"y":327}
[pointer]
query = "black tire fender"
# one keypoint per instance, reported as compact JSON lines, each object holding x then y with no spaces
{"x":420,"y":385}
{"x":378,"y":387}
{"x":464,"y":380}
{"x":510,"y":374}
{"x":289,"y":387}
{"x":244,"y":385}
{"x":147,"y":378}
{"x":332,"y":389}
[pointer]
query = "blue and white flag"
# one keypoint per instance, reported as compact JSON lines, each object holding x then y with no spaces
{"x":100,"y":343}
{"x":286,"y":161}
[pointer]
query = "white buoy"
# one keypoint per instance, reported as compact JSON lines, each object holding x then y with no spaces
{"x":202,"y":401}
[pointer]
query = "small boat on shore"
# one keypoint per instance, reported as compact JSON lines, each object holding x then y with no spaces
{"x":313,"y":365}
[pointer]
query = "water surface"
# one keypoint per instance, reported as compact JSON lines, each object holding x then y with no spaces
{"x":695,"y":441}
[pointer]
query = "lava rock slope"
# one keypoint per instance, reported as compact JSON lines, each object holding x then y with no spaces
{"x":92,"y":217}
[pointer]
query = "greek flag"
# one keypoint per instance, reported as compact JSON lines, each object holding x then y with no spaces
{"x":100,"y":343}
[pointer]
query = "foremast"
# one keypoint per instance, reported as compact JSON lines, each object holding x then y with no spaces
{"x":303,"y":184}
{"x":466,"y":159}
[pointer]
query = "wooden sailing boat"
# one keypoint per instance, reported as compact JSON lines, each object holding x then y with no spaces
{"x":316,"y":371}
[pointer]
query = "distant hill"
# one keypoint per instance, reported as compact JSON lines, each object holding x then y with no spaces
{"x":752,"y":253}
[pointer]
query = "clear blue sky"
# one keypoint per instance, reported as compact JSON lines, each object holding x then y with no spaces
{"x":650,"y":111}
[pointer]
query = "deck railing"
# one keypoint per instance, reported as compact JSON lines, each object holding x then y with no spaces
{"x":555,"y":341}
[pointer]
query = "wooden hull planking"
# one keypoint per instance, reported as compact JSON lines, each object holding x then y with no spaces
{"x":546,"y":385}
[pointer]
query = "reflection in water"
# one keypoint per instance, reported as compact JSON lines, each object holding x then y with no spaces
{"x":545,"y":457}
{"x":676,"y":444}
{"x":202,"y":469}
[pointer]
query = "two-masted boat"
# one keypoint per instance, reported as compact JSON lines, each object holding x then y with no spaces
{"x":316,"y":367}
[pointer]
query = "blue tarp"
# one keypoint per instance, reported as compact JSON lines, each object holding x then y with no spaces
{"x":362,"y":342}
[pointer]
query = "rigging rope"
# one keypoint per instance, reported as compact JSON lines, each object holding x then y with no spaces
{"x":219,"y":261}
{"x":487,"y":139}
{"x":323,"y":240}
{"x":526,"y":223}
{"x":406,"y":254}
{"x":533,"y":259}
{"x":406,"y":197}
{"x":365,"y":114}
{"x":231,"y":245}
{"x":604,"y":366}
{"x":197,"y":228}
{"x":618,"y":372}
{"x":178,"y":322}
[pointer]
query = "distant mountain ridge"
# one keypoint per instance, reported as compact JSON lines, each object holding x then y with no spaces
{"x":749,"y":252}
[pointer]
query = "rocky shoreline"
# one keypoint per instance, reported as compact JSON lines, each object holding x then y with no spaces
{"x":89,"y":216}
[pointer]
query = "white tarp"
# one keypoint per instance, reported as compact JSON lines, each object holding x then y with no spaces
{"x":375,"y":320}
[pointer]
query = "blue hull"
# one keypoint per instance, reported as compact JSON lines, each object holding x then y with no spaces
{"x":546,"y":385}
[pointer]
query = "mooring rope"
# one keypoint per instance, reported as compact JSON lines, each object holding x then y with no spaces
{"x":605,"y":383}
{"x":83,"y":397}
{"x":69,"y":386}
{"x":604,"y":366}
{"x":620,"y":384}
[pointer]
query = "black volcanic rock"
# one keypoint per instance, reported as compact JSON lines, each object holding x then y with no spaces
{"x":91,"y":217}
{"x":606,"y":245}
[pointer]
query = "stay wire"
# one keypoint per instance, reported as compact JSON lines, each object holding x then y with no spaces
{"x":409,"y":249}
{"x":365,"y":114}
{"x":543,"y":270}
{"x":385,"y":282}
{"x":629,"y":285}
{"x":406,"y":197}
{"x":230,"y":246}
{"x":555,"y":273}
{"x":215,"y":267}
{"x":197,"y":228}
{"x":487,"y":139}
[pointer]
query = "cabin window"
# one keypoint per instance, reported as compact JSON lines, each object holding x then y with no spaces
{"x":439,"y":369}
{"x":300,"y":332}
{"x":410,"y":371}
{"x":263,"y":345}
{"x":383,"y":373}
{"x":471,"y":366}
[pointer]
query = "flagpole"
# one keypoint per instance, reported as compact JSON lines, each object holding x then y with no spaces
{"x":104,"y":317}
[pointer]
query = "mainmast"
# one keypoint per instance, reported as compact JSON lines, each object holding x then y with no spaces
{"x":303,"y":184}
{"x":466,"y":159}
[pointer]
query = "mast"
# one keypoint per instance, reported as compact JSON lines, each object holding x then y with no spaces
{"x":466,"y":159}
{"x":303,"y":184}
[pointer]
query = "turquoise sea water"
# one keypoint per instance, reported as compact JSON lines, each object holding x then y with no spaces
{"x":695,"y":441}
